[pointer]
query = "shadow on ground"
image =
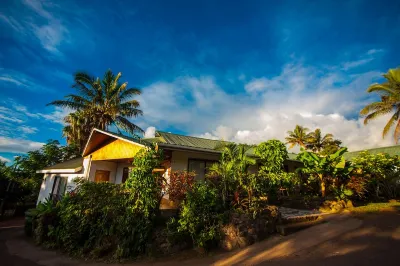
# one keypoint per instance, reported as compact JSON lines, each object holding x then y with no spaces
{"x":371,"y":239}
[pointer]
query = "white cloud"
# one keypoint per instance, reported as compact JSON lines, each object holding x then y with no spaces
{"x":369,"y":56}
{"x":27,"y":129}
{"x":150,"y":132}
{"x":43,"y":23}
{"x":15,"y":145}
{"x":328,"y":98}
{"x":21,"y":80}
{"x":4,"y":159}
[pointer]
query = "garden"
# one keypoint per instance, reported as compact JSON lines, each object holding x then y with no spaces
{"x":231,"y":208}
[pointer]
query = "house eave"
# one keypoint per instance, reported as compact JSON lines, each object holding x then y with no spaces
{"x":60,"y":171}
{"x":186,"y":148}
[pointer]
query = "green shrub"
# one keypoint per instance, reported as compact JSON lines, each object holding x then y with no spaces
{"x":201,"y":215}
{"x":104,"y":219}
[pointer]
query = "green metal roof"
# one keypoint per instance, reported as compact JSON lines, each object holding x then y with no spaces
{"x":70,"y":164}
{"x":187,"y":141}
{"x":195,"y":142}
{"x":391,"y":150}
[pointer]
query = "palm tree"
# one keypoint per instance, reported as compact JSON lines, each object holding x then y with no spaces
{"x":298,"y":136}
{"x":316,"y":142}
{"x":389,"y":92}
{"x":77,"y":129}
{"x":100,"y":103}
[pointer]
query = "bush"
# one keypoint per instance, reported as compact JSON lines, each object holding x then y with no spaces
{"x":180,"y":183}
{"x":104,"y":219}
{"x":201,"y":215}
{"x":381,"y":174}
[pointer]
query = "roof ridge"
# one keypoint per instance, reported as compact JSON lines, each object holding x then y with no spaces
{"x":191,"y":136}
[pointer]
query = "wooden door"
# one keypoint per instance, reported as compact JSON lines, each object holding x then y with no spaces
{"x":102,"y":176}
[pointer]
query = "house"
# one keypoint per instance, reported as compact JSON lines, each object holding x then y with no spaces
{"x":108,"y":156}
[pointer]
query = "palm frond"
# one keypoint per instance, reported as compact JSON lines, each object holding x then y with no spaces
{"x":69,"y":104}
{"x":127,"y":125}
{"x":390,"y":123}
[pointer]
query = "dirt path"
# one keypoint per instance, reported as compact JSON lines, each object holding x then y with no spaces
{"x":345,"y":240}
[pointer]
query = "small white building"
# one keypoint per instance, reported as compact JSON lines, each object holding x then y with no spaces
{"x":108,"y":156}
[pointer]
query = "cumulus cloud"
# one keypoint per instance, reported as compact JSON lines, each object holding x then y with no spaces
{"x":327,"y":98}
{"x":150,"y":132}
{"x":15,"y":145}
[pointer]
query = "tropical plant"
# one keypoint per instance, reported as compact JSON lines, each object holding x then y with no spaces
{"x":380,"y":172}
{"x":332,"y":147}
{"x":180,"y":183}
{"x":322,"y":168}
{"x":145,"y":184}
{"x":100,"y":103}
{"x":272,"y":155}
{"x":234,"y":162}
{"x":317,"y":142}
{"x":389,"y":92}
{"x":77,"y":129}
{"x":298,"y":136}
{"x":201,"y":215}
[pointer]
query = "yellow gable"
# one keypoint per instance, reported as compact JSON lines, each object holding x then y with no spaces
{"x":117,"y":149}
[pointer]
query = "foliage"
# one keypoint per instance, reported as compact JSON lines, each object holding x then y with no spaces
{"x":23,"y":170}
{"x":322,"y":168}
{"x":313,"y":141}
{"x":342,"y":193}
{"x":99,"y":103}
{"x":146,"y":185}
{"x":226,"y":173}
{"x":380,"y":173}
{"x":272,"y":154}
{"x":201,"y":215}
{"x":298,"y":136}
{"x":104,"y":219}
{"x":180,"y":183}
{"x":389,"y":92}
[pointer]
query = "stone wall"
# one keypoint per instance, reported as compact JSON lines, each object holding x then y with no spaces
{"x":243,"y":229}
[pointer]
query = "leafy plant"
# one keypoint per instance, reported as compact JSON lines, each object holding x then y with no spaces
{"x":180,"y":183}
{"x":389,"y":92}
{"x":322,"y":168}
{"x":380,"y":172}
{"x":272,"y":155}
{"x":342,"y":193}
{"x":201,"y":216}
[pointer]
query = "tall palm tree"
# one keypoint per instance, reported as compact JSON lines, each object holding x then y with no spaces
{"x":298,"y":136}
{"x":77,"y":129}
{"x":389,"y":92}
{"x":317,"y":142}
{"x":102,"y":103}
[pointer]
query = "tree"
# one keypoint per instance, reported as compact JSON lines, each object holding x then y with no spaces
{"x":77,"y":129}
{"x":273,"y":154}
{"x":100,"y":103}
{"x":322,"y":168}
{"x":298,"y":136}
{"x":317,"y":142}
{"x":332,"y":147}
{"x":389,"y":92}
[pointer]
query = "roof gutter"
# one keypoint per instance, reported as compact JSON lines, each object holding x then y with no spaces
{"x":59,"y":171}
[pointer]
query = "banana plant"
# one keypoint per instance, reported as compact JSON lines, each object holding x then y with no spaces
{"x":333,"y":165}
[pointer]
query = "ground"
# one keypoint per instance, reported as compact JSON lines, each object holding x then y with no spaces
{"x":346,"y":239}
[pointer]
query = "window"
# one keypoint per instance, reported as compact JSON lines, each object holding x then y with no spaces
{"x":125,"y":174}
{"x":59,"y":186}
{"x":200,"y":167}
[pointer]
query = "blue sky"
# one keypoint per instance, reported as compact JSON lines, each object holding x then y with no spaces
{"x":247,"y":71}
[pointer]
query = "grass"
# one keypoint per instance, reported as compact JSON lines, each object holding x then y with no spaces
{"x":376,"y":207}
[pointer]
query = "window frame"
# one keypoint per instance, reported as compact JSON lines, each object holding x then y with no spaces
{"x":201,"y":160}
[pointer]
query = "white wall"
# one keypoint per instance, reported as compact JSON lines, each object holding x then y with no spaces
{"x":105,"y":166}
{"x":179,"y":160}
{"x":48,"y":181}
